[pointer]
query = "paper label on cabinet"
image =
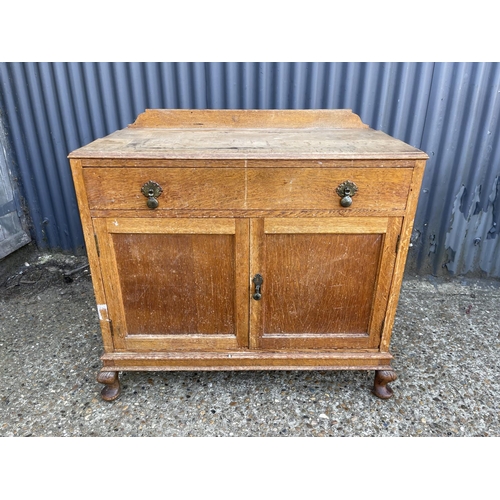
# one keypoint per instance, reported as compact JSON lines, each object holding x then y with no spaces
{"x":102,"y":310}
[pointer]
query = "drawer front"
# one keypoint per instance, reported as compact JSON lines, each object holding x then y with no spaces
{"x":182,"y":188}
{"x":267,"y":188}
{"x":315,"y":188}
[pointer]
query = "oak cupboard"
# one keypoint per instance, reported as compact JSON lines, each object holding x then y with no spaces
{"x":247,"y":240}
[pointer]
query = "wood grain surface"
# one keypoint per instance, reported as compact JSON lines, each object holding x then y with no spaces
{"x":297,"y":188}
{"x":315,"y":283}
{"x":247,"y":143}
{"x":189,"y":188}
{"x":177,"y":283}
{"x":251,"y":188}
{"x":248,"y":118}
{"x":403,"y":247}
{"x":92,"y":253}
{"x":244,"y":163}
{"x":337,"y":359}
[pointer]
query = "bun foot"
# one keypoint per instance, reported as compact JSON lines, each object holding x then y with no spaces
{"x":380,"y":387}
{"x":112,"y":387}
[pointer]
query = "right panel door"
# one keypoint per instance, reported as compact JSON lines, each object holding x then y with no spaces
{"x":325,"y":281}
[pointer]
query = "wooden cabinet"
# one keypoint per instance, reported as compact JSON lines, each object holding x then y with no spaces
{"x":240,"y":240}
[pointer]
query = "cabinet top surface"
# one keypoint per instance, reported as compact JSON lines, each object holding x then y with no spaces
{"x":248,"y":134}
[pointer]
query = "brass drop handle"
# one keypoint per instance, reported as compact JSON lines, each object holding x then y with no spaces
{"x":257,"y":281}
{"x":151,"y":190}
{"x":346,"y":191}
{"x":346,"y":201}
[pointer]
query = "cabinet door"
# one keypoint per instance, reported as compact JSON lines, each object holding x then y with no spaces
{"x":325,"y":281}
{"x":175,"y":283}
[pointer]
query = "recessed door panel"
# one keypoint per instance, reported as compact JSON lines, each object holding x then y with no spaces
{"x":320,"y":283}
{"x":321,"y":286}
{"x":175,"y":284}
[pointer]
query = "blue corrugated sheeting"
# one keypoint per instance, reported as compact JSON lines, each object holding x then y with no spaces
{"x":450,"y":110}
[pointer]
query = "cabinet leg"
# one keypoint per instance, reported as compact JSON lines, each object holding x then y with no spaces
{"x":380,"y":387}
{"x":111,"y":383}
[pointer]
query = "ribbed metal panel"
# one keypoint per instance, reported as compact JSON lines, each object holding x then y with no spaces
{"x":448,"y":110}
{"x":457,"y":222}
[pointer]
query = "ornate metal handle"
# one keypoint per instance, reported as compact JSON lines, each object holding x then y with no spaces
{"x":346,"y":191}
{"x":151,"y":190}
{"x":257,"y":281}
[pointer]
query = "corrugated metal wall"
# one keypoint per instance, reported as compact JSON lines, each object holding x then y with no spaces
{"x":449,"y":110}
{"x":457,"y":221}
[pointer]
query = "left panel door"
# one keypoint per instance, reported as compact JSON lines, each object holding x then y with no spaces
{"x":174,"y":284}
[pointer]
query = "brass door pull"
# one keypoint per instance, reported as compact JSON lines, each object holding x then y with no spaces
{"x":151,"y":190}
{"x":257,"y":281}
{"x":346,"y":191}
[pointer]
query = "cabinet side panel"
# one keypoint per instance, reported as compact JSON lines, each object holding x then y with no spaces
{"x":404,"y":243}
{"x":91,"y":247}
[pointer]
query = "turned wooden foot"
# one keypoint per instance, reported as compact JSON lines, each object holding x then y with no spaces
{"x":380,"y":387}
{"x":112,"y":387}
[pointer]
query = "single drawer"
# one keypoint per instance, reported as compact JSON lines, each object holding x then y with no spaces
{"x":316,"y":188}
{"x":181,"y":188}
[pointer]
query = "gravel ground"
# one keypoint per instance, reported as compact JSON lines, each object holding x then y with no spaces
{"x":445,"y":341}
